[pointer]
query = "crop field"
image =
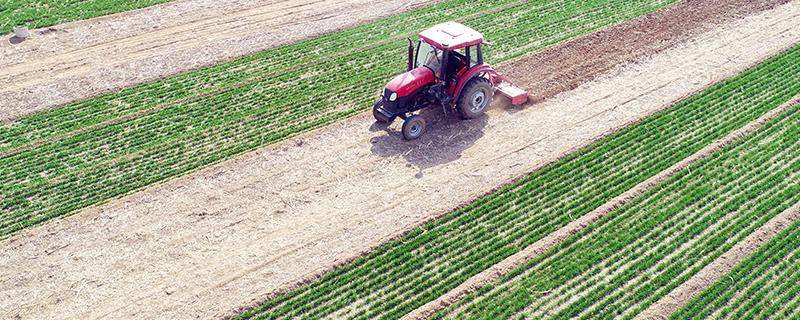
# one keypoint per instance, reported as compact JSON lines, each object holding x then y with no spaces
{"x":660,"y":179}
{"x":407,"y":273}
{"x":151,"y":132}
{"x":765,"y":285}
{"x":38,"y":13}
{"x":659,"y":240}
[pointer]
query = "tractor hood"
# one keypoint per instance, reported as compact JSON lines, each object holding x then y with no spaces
{"x":410,"y":81}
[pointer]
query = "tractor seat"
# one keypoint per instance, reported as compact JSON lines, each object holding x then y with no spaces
{"x":457,"y":66}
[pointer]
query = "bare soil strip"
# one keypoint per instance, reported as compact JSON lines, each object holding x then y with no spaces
{"x":679,"y":297}
{"x":78,"y":60}
{"x":552,"y":240}
{"x":236,"y":233}
{"x":564,"y":68}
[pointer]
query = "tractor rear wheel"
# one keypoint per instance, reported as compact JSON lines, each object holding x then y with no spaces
{"x":379,"y":116}
{"x":475,"y":98}
{"x":413,"y":127}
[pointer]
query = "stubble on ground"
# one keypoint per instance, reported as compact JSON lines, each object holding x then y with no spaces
{"x":237,"y":233}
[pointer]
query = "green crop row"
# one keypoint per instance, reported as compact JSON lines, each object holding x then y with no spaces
{"x":433,"y":259}
{"x":68,"y":158}
{"x":38,"y":13}
{"x":359,"y":50}
{"x":637,"y":254}
{"x":764,"y":285}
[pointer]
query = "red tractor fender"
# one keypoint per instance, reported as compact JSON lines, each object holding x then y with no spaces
{"x":500,"y":83}
{"x":483,"y":70}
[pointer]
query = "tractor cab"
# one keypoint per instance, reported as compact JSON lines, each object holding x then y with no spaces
{"x":449,"y":50}
{"x":445,"y":67}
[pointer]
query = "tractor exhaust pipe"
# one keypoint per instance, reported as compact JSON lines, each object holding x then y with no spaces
{"x":410,"y":55}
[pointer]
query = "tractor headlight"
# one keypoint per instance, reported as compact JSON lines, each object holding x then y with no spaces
{"x":393,"y":97}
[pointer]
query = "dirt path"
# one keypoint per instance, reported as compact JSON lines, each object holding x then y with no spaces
{"x":550,"y":241}
{"x":679,"y":297}
{"x":203,"y":244}
{"x":83,"y":59}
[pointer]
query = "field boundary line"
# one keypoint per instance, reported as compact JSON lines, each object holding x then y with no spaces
{"x":509,"y":264}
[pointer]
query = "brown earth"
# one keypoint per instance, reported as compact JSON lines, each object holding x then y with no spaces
{"x":565,"y":67}
{"x":675,"y":299}
{"x":83,"y":59}
{"x":709,"y":275}
{"x":236,"y":233}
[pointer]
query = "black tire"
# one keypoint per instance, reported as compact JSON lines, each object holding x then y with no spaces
{"x":413,"y":127}
{"x":475,"y":98}
{"x":380,"y":117}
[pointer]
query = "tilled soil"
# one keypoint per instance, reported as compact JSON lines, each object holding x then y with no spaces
{"x":79,"y":60}
{"x":232,"y":235}
{"x":565,"y":67}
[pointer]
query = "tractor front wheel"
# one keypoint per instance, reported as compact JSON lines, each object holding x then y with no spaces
{"x":475,"y":98}
{"x":413,"y":127}
{"x":379,"y":116}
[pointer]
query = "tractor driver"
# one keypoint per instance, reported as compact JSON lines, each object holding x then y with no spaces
{"x":432,"y":58}
{"x":435,"y":62}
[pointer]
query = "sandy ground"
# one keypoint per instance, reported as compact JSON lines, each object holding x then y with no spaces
{"x":679,"y":297}
{"x":78,"y":60}
{"x":201,"y":245}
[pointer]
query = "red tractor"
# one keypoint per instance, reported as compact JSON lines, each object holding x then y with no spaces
{"x":445,"y":68}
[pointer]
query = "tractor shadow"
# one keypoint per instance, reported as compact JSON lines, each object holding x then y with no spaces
{"x":446,"y":137}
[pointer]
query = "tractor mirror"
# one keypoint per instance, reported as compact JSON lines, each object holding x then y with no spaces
{"x":410,"y":54}
{"x":488,"y":43}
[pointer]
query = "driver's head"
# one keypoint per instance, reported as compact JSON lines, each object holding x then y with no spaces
{"x":435,"y":57}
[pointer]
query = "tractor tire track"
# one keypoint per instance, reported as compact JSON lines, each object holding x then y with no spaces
{"x":239,"y":232}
